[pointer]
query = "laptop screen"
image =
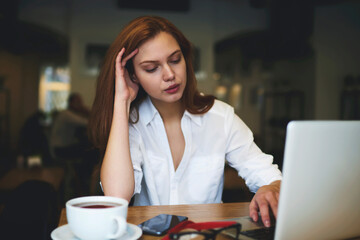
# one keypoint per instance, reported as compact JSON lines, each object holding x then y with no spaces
{"x":320,"y":194}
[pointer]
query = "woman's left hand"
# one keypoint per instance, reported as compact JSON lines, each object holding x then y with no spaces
{"x":266,"y":198}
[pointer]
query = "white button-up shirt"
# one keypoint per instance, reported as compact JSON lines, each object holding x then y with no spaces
{"x":210,"y":139}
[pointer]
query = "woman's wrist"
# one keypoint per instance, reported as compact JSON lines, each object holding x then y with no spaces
{"x":276,"y":183}
{"x":121,"y":105}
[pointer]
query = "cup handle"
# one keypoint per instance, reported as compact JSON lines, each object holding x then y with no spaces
{"x":121,"y":227}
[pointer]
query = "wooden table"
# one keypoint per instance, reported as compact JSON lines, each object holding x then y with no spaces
{"x":195,"y":212}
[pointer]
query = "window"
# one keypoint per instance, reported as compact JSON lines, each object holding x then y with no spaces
{"x":54,"y":88}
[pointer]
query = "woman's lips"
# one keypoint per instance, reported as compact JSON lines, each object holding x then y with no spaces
{"x":173,"y":88}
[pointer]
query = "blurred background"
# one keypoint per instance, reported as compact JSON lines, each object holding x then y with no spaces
{"x":272,"y":60}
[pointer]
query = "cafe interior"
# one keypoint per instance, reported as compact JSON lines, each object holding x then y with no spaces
{"x":272,"y":60}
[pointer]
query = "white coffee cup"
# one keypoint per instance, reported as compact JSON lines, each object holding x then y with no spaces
{"x":97,"y":217}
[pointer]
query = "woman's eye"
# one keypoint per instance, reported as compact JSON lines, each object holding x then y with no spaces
{"x":151,"y":70}
{"x":175,"y":60}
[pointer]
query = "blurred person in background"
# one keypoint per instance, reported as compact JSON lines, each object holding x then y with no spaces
{"x":69,"y":140}
{"x":68,"y":135}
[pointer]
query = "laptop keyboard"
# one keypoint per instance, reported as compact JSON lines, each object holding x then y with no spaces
{"x":261,"y":233}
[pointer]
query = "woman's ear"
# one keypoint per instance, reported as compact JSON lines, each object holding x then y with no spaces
{"x":134,"y":78}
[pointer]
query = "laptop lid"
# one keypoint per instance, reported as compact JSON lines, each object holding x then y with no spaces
{"x":320,"y":194}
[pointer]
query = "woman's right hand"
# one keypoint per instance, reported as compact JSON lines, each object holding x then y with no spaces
{"x":125,"y":88}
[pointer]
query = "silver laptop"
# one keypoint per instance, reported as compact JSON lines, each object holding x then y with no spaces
{"x":320,"y":191}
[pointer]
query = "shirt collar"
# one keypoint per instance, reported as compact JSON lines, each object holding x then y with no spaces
{"x":196,"y":118}
{"x":147,"y":113}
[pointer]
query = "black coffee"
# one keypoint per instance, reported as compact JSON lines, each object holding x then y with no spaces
{"x":95,"y":205}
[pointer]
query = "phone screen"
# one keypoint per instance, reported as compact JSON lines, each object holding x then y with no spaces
{"x":160,"y":224}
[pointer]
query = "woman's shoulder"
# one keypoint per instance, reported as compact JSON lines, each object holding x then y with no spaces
{"x":221,"y":107}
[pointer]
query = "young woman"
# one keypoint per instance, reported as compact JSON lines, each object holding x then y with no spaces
{"x":162,"y":141}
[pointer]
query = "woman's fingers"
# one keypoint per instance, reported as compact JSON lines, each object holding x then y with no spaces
{"x":253,"y":210}
{"x":265,"y":199}
{"x":120,"y":63}
{"x":118,"y":57}
{"x":123,"y":84}
{"x":132,"y":54}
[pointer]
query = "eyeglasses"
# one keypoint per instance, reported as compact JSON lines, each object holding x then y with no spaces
{"x":189,"y":230}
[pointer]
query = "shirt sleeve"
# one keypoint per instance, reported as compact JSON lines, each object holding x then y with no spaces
{"x":136,"y":157}
{"x":254,"y":166}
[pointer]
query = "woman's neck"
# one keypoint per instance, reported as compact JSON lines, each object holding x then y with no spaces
{"x":169,"y":111}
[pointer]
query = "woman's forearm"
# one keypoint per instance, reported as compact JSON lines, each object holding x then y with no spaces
{"x":117,"y":174}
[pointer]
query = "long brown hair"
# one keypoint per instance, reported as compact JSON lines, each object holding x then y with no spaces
{"x":131,"y":37}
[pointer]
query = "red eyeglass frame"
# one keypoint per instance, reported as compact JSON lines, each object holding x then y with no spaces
{"x":198,"y":226}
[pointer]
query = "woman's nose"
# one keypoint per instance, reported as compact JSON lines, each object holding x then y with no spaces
{"x":168,"y":73}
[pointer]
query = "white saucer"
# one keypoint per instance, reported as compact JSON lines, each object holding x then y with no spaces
{"x":133,"y":232}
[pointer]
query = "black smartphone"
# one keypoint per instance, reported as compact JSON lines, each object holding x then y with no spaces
{"x":161,"y":224}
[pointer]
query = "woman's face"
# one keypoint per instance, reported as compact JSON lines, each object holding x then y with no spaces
{"x":160,"y":68}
